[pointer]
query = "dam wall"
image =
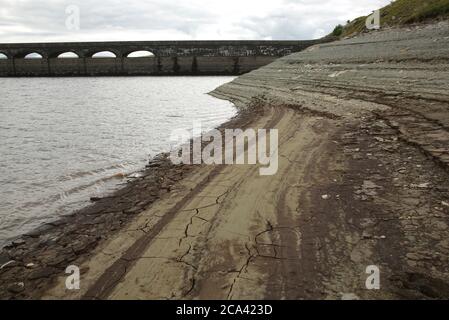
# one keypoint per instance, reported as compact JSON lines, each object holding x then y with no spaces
{"x":131,"y":66}
{"x":165,"y":57}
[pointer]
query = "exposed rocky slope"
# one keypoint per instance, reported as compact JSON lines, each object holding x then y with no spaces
{"x":389,"y":92}
{"x":363,"y":180}
{"x":400,"y":13}
{"x":402,"y":73}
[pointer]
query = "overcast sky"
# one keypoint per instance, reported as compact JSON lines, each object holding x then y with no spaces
{"x":107,"y":20}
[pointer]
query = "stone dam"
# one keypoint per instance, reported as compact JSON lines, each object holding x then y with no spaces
{"x":165,"y":57}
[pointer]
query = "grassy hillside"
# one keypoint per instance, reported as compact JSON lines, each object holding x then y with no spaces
{"x":399,"y":12}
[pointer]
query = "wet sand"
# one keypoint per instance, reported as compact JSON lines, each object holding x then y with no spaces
{"x":363,"y":180}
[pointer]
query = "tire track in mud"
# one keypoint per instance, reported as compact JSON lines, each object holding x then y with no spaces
{"x":107,"y":282}
{"x":201,"y":239}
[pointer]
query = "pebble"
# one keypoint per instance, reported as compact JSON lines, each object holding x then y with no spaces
{"x":18,"y":242}
{"x":325,"y":196}
{"x":16,"y":287}
{"x":421,"y":185}
{"x":413,"y":256}
{"x":366,"y":235}
{"x":349,"y":296}
{"x":9,"y":263}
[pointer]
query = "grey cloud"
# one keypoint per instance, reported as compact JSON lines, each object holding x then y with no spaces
{"x":30,"y":20}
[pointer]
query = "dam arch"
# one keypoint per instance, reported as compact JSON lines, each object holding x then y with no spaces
{"x":185,"y":57}
{"x":68,"y":55}
{"x":140,"y":54}
{"x":102,"y":54}
{"x":33,"y":55}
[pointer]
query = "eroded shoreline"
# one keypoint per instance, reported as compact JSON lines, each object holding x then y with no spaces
{"x":38,"y":257}
{"x":363,"y":180}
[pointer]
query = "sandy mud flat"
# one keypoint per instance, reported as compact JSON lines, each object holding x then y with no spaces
{"x":363,"y":180}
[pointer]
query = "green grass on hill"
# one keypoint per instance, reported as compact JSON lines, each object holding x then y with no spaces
{"x":401,"y":12}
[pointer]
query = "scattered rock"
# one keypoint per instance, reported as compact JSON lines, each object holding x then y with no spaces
{"x":18,"y":242}
{"x":366,"y":235}
{"x":16,"y":287}
{"x":349,"y":296}
{"x":367,"y":184}
{"x":325,"y":196}
{"x":154,"y":165}
{"x":379,"y":139}
{"x":367,"y":189}
{"x":42,"y":273}
{"x":337,"y":73}
{"x":420,"y":186}
{"x":10,"y":264}
{"x":440,"y":225}
{"x":413,"y":256}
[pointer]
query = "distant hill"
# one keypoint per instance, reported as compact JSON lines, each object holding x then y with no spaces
{"x":399,"y":12}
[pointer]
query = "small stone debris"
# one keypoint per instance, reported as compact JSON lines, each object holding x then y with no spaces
{"x":445,"y":203}
{"x":10,"y":263}
{"x":30,"y":265}
{"x":402,"y":170}
{"x":18,"y":242}
{"x":379,"y":139}
{"x":349,"y":296}
{"x":420,"y":185}
{"x":367,"y":184}
{"x":154,"y":165}
{"x":368,"y":189}
{"x":382,"y":237}
{"x":325,"y":197}
{"x":366,"y":235}
{"x":16,"y":287}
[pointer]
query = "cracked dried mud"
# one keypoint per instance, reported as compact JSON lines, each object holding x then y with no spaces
{"x":363,"y":180}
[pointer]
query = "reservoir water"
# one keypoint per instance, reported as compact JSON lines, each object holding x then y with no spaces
{"x":64,"y":140}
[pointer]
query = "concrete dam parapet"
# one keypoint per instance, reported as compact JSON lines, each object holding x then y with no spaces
{"x":168,"y":57}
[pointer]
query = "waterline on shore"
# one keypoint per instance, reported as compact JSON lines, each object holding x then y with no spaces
{"x":85,"y":142}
